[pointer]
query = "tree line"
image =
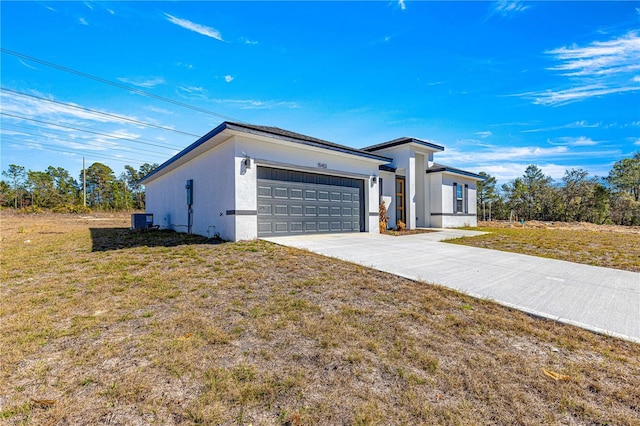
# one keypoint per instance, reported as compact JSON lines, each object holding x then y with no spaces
{"x":57,"y":190}
{"x":577,"y":197}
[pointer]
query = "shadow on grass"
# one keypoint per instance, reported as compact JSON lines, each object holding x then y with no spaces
{"x":106,"y":239}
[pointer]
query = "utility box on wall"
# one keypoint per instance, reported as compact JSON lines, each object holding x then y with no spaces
{"x":141,"y":221}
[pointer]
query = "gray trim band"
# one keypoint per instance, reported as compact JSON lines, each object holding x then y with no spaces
{"x":242,"y":212}
{"x":454,"y":214}
{"x":373,"y":214}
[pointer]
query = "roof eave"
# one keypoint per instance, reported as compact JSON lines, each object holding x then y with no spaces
{"x":336,"y":148}
{"x":454,"y":171}
{"x":213,"y":133}
{"x":404,"y":141}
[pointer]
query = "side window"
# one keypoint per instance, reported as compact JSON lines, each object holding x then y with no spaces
{"x":459,"y":198}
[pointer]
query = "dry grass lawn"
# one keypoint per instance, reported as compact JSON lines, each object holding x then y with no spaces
{"x":102,"y":326}
{"x":610,"y":246}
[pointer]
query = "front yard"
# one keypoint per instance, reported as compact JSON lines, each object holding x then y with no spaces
{"x":103,"y":326}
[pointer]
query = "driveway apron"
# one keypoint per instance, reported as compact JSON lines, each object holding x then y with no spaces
{"x":599,"y":299}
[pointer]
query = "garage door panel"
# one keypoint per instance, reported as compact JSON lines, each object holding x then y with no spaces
{"x":280,"y":210}
{"x":291,"y":202}
{"x":280,"y":192}
{"x":265,"y":209}
{"x":264,"y":191}
{"x":296,"y":194}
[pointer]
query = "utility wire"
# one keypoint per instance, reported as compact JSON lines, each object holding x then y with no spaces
{"x":118,"y":85}
{"x":119,"y":117}
{"x":80,"y":141}
{"x":109,"y":135}
{"x":30,"y":145}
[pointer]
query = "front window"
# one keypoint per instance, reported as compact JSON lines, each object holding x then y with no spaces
{"x":459,"y":199}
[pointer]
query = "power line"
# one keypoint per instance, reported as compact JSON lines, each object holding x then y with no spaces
{"x":92,"y":111}
{"x":109,"y":135}
{"x":118,"y":85}
{"x":29,"y":145}
{"x":46,"y":135}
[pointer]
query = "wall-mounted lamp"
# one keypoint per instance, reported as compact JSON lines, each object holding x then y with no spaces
{"x":247,"y":162}
{"x":374,"y":179}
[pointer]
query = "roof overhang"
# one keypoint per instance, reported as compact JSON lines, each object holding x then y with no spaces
{"x":415,"y":142}
{"x":454,"y":171}
{"x":227,"y":130}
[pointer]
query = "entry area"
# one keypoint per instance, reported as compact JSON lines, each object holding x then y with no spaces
{"x":293,"y":202}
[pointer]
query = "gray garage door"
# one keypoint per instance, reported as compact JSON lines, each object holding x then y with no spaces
{"x":291,"y":202}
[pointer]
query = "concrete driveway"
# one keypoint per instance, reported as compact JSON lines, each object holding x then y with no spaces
{"x":599,"y":299}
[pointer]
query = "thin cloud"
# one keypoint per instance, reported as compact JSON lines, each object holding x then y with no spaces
{"x":30,"y":107}
{"x":599,"y":58}
{"x":484,"y":135}
{"x":258,"y":104}
{"x":192,"y":26}
{"x":575,"y":94}
{"x":580,"y":124}
{"x":159,"y":110}
{"x":599,"y":68}
{"x":637,"y":142}
{"x":573,"y":141}
{"x":193,"y":89}
{"x":146,"y":83}
{"x":402,"y":5}
{"x":27,"y":65}
{"x":251,"y":42}
{"x":499,"y":153}
{"x":508,"y":9}
{"x":83,"y":21}
{"x":228,"y":78}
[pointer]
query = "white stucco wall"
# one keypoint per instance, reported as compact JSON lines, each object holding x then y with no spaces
{"x":422,"y":220}
{"x":442,"y":215}
{"x":213,"y":186}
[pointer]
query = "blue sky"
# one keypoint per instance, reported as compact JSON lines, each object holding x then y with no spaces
{"x":500,"y":84}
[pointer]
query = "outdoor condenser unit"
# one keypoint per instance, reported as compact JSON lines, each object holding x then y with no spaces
{"x":141,"y":221}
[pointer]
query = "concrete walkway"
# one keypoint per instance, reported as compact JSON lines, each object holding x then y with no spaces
{"x":599,"y":299}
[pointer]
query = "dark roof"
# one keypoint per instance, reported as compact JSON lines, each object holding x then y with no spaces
{"x":270,"y":132}
{"x":387,"y":168}
{"x":300,"y":138}
{"x":442,"y":168}
{"x":402,"y":141}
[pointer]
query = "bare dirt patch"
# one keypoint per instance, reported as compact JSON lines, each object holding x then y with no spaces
{"x":107,"y":327}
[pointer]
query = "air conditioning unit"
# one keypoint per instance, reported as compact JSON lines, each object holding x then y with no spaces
{"x":141,"y":221}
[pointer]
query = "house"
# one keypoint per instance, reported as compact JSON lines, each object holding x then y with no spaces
{"x":242,"y":181}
